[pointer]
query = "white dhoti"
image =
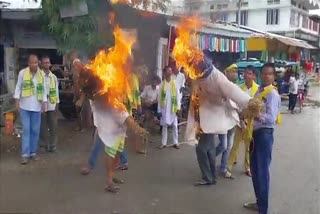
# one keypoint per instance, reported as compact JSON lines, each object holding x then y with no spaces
{"x":174,"y":133}
{"x":168,"y":117}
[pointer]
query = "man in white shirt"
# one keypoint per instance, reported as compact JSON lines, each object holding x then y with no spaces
{"x":149,"y":96}
{"x":168,"y":107}
{"x":48,"y":131}
{"x":31,"y":99}
{"x":293,"y":91}
{"x":180,"y":80}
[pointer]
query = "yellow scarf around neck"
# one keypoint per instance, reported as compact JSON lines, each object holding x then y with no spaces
{"x":253,"y":90}
{"x":174,"y":104}
{"x":28,"y":88}
{"x":249,"y":129}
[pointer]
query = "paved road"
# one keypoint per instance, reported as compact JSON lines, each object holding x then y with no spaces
{"x":315,"y":91}
{"x":161,"y":182}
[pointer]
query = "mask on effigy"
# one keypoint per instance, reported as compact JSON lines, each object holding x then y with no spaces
{"x":89,"y":83}
{"x":203,"y":68}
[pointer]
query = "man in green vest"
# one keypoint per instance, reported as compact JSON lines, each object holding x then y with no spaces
{"x":48,"y":133}
{"x":31,"y":99}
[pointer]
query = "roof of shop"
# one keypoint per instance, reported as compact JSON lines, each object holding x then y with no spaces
{"x":222,"y":29}
{"x":284,"y":39}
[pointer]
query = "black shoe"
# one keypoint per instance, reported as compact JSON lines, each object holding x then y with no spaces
{"x":176,"y":146}
{"x":52,"y":150}
{"x":42,"y":146}
{"x":204,"y":183}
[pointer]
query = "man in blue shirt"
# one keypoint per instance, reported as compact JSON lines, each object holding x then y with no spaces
{"x":261,"y":145}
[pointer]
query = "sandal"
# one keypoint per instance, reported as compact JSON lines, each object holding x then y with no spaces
{"x":34,"y":157}
{"x":251,"y":206}
{"x":24,"y":161}
{"x":228,"y":175}
{"x":176,"y":146}
{"x":162,"y":146}
{"x":141,"y":152}
{"x":125,"y":167}
{"x":112,"y":188}
{"x":85,"y":171}
{"x":118,"y":181}
{"x":77,"y":129}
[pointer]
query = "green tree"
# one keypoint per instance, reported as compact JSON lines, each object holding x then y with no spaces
{"x":85,"y":33}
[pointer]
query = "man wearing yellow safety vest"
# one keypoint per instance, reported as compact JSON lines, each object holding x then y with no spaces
{"x":31,"y":99}
{"x":250,"y":87}
{"x":48,"y":131}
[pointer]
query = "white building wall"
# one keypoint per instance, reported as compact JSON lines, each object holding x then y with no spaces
{"x":213,"y":10}
{"x":262,"y":4}
{"x":257,"y":19}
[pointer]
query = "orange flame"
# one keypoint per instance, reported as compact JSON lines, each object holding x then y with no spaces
{"x":185,"y":51}
{"x":110,"y":67}
{"x":119,"y":1}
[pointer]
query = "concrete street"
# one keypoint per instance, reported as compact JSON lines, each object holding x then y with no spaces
{"x":161,"y":182}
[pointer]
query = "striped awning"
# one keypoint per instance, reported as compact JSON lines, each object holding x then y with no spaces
{"x":285,"y":40}
{"x":218,"y":29}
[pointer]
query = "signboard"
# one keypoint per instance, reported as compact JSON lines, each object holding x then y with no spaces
{"x":9,"y":69}
{"x":75,"y":9}
{"x":33,"y":39}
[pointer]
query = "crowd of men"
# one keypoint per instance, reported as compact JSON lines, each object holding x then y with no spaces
{"x":219,"y":112}
{"x":37,"y":92}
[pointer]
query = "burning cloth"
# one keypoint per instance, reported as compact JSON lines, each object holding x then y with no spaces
{"x":105,"y":82}
{"x":212,"y":107}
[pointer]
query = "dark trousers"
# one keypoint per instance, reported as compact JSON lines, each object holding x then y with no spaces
{"x":206,"y":155}
{"x":292,"y":101}
{"x":48,"y":130}
{"x":260,"y":159}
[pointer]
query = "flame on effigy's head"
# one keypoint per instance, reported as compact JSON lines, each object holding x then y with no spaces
{"x":119,"y":1}
{"x":110,"y":68}
{"x":185,"y":51}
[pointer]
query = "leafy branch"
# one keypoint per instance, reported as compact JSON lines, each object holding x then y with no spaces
{"x":89,"y":32}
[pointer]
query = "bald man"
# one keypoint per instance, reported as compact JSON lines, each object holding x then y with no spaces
{"x":31,"y":99}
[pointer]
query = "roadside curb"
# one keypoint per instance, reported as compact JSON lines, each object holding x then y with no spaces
{"x":313,"y":101}
{"x":310,"y":100}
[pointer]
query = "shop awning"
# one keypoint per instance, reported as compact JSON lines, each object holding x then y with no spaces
{"x":24,"y":38}
{"x":295,"y":42}
{"x":286,"y":40}
{"x":283,"y":39}
{"x":219,"y":29}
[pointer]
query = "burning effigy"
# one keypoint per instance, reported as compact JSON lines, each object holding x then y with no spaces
{"x":107,"y":74}
{"x":105,"y":80}
{"x":215,"y":102}
{"x":200,"y":69}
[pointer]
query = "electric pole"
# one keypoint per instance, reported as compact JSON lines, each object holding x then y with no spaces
{"x":239,"y":12}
